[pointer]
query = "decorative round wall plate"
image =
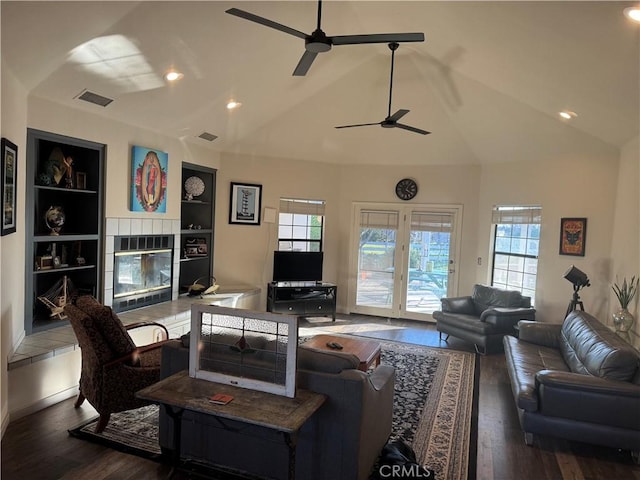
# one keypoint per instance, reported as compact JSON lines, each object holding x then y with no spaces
{"x":194,"y":186}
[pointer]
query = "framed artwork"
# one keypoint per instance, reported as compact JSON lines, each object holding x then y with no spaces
{"x":244,"y":205}
{"x":573,"y":236}
{"x":9,"y":185}
{"x":81,"y":180}
{"x":148,"y":180}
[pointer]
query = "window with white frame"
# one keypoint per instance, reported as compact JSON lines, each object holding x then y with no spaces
{"x":300,"y":225}
{"x":516,"y":243}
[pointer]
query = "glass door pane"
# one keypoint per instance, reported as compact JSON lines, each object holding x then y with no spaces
{"x":376,"y":262}
{"x":405,"y":260}
{"x":429,"y":261}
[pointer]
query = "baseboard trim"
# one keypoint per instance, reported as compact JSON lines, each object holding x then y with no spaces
{"x":5,"y":420}
{"x":42,"y":403}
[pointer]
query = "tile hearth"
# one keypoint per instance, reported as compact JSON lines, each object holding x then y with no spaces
{"x":175,"y":315}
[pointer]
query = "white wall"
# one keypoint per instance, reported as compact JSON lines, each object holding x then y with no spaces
{"x":437,"y":185}
{"x":41,"y":384}
{"x":565,"y":187}
{"x":625,"y":244}
{"x":244,"y":253}
{"x":13,"y":127}
{"x":119,"y":138}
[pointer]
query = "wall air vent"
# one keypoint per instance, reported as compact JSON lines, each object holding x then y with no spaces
{"x":209,"y":137}
{"x":91,"y":97}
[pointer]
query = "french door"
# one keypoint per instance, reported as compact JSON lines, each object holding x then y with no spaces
{"x":405,"y":259}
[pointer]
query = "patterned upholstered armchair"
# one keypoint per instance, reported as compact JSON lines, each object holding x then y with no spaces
{"x":113,"y":367}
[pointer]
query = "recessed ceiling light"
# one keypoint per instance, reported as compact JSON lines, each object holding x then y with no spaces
{"x":633,"y":13}
{"x":567,"y":115}
{"x":233,"y":104}
{"x":172,"y":76}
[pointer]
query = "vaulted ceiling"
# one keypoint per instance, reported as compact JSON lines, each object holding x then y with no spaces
{"x":488,"y":82}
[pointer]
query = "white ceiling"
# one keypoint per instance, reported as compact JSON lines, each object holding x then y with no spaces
{"x":488,"y":82}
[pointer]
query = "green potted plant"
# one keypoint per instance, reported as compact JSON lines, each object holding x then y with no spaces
{"x":623,"y":319}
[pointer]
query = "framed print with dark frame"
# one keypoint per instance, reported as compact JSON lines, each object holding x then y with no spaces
{"x":81,"y":180}
{"x":9,"y":185}
{"x":573,"y":236}
{"x":245,"y":203}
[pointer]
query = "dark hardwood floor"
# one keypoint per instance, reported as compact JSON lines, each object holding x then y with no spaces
{"x":39,"y":447}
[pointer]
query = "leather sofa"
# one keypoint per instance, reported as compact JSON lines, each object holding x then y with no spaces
{"x":341,"y":441}
{"x":577,"y":380}
{"x":483,"y":317}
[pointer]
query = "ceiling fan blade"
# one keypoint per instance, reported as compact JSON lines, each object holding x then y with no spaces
{"x":305,"y":63}
{"x":359,"y":125}
{"x":412,"y":129}
{"x":398,"y":115}
{"x":266,"y":22}
{"x":377,"y":38}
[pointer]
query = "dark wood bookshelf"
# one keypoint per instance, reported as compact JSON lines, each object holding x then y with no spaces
{"x":77,"y":248}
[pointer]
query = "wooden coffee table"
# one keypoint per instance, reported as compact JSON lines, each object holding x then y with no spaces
{"x":180,"y":392}
{"x":367,"y":351}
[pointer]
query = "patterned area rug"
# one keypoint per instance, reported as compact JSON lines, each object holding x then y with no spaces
{"x":433,"y":411}
{"x":434,"y":406}
{"x":133,"y":431}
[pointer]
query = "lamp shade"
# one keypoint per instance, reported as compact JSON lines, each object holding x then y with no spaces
{"x":577,"y":277}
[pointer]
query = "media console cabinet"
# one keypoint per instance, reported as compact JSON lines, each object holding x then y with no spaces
{"x":305,"y":299}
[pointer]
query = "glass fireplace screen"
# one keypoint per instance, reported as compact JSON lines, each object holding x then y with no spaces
{"x":141,"y":272}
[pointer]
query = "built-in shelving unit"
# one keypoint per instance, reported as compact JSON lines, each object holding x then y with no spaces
{"x":196,"y":223}
{"x":67,"y":256}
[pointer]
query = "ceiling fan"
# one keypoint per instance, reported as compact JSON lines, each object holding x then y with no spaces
{"x":392,"y":120}
{"x":319,"y":42}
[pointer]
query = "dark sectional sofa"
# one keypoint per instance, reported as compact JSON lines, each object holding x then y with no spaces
{"x":577,"y":380}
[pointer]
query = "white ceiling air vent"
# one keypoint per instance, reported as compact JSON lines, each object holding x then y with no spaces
{"x":91,"y":97}
{"x":209,"y":137}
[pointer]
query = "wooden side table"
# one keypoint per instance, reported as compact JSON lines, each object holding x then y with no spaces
{"x":367,"y":351}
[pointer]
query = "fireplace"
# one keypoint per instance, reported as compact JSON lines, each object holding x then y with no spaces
{"x":142,"y":271}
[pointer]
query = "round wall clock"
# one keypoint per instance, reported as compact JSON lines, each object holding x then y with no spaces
{"x":406,"y":189}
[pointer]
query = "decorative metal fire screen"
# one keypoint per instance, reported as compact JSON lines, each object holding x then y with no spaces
{"x":142,"y":271}
{"x":254,"y":350}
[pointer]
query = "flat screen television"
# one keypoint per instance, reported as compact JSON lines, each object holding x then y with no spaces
{"x":297,"y":266}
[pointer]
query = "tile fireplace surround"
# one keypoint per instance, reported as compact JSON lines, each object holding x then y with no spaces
{"x":115,"y":227}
